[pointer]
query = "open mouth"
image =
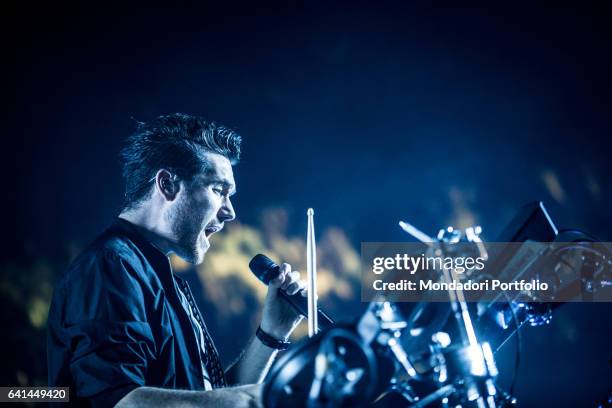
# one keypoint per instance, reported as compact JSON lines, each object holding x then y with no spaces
{"x":211,"y":230}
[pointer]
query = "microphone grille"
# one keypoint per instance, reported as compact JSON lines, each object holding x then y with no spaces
{"x":264,"y":268}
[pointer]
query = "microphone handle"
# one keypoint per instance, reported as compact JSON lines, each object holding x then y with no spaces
{"x":300,"y":305}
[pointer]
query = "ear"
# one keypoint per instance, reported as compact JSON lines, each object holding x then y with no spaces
{"x":167,"y":184}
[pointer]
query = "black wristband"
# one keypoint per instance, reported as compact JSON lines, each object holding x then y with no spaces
{"x":270,"y":341}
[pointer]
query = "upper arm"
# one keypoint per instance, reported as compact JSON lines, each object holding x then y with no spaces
{"x":105,"y":322}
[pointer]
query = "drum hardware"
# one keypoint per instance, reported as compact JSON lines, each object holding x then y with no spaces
{"x":429,"y":354}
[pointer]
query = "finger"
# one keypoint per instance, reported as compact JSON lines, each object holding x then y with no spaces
{"x":290,"y":278}
{"x":277,"y":282}
{"x":304,"y":292}
{"x":295,"y":276}
{"x":285,"y":268}
{"x":294,"y":288}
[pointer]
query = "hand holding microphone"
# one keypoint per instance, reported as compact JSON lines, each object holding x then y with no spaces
{"x":286,"y":302}
{"x":279,"y":319}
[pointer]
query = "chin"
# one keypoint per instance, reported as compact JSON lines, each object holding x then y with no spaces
{"x":195,"y":256}
{"x":192,"y":255}
{"x":198,"y":258}
{"x":199,"y":253}
{"x":194,"y":251}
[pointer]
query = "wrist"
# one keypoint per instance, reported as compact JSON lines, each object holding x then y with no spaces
{"x":275,"y":331}
{"x":270,"y":341}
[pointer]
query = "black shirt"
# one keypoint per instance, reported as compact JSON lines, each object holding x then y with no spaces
{"x":120,"y":319}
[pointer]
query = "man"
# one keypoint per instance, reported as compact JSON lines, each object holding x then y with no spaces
{"x":123,"y":329}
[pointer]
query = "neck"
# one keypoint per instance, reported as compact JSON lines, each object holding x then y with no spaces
{"x":148,"y":223}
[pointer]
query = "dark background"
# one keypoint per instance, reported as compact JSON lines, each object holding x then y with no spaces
{"x":368,"y":112}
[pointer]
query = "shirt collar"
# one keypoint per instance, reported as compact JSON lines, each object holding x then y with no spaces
{"x":156,"y":257}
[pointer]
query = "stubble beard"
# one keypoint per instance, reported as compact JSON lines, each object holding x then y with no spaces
{"x":189,"y":234}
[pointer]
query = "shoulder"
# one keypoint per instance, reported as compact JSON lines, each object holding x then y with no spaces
{"x":102,"y":255}
{"x":110,"y":262}
{"x":110,"y":278}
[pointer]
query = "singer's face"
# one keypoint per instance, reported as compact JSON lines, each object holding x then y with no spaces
{"x":202,"y":207}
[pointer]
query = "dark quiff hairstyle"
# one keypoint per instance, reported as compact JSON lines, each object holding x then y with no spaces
{"x":174,"y":142}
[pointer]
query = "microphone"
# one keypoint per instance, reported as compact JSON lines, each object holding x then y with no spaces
{"x":265,"y":269}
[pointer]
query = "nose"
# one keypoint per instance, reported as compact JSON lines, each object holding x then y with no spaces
{"x":226,"y":212}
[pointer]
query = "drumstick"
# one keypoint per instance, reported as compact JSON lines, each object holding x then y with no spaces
{"x":415,"y":232}
{"x":311,"y":267}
